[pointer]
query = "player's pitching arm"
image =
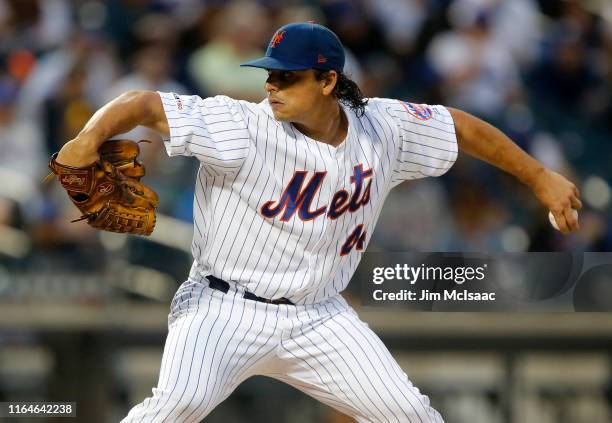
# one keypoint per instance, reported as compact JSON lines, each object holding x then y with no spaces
{"x":485,"y":142}
{"x":121,"y":115}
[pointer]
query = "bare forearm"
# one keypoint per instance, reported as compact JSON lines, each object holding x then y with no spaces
{"x":485,"y":142}
{"x":123,"y":114}
{"x":118,"y":116}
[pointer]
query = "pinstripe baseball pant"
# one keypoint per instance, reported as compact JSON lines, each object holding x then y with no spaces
{"x":217,"y":340}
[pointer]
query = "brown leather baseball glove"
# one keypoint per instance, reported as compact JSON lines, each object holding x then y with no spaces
{"x":109,"y":192}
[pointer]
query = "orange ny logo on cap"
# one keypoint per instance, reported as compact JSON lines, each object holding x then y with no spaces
{"x":278,"y":37}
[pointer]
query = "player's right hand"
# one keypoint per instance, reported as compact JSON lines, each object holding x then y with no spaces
{"x":79,"y":152}
{"x":560,"y":196}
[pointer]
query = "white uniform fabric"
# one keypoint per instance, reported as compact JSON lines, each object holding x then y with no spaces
{"x":217,"y":340}
{"x":280,"y":215}
{"x":248,"y":158}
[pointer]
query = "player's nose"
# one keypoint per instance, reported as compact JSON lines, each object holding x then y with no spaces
{"x":271,"y":82}
{"x":270,"y":86}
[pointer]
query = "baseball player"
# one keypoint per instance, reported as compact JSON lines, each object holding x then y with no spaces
{"x":287,"y":196}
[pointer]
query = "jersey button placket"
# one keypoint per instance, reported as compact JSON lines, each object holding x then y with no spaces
{"x":315,"y":263}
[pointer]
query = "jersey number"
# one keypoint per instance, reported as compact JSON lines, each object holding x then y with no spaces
{"x":356,"y":239}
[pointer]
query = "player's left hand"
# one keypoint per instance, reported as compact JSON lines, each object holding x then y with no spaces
{"x":559,"y":196}
{"x":108,"y":192}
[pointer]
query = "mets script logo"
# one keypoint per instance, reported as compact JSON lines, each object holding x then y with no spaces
{"x":419,"y":111}
{"x":106,"y":188}
{"x":278,"y":37}
{"x":298,"y":196}
{"x":73,"y":180}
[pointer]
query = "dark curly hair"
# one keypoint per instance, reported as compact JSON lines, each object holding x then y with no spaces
{"x":346,"y":91}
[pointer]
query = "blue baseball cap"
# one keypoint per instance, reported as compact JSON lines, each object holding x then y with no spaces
{"x":300,"y":46}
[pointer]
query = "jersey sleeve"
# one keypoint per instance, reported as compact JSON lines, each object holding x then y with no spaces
{"x":426,"y":143}
{"x":213,"y":130}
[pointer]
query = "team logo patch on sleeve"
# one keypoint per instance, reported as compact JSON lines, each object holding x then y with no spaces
{"x":179,"y":103}
{"x":419,"y":111}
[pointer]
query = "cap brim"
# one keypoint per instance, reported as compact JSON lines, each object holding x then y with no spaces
{"x":272,"y":63}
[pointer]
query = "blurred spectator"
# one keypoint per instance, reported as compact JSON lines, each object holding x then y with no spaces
{"x":297,"y":13}
{"x":479,"y":221}
{"x":356,"y":28}
{"x":574,"y":63}
{"x":34,"y":24}
{"x":237,"y":35}
{"x":400,"y":20}
{"x":382,"y":75}
{"x":86,"y":50}
{"x":22,"y":160}
{"x":152,"y":70}
{"x":518,"y":26}
{"x":417,"y":218}
{"x":475,"y":71}
{"x":21,"y":141}
{"x":119,"y":19}
{"x":69,"y":109}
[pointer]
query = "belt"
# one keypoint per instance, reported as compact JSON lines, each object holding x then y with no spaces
{"x":221,"y":285}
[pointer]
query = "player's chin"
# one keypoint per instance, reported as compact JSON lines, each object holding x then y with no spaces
{"x":281,"y":116}
{"x":282,"y":111}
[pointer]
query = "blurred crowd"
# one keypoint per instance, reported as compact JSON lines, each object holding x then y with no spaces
{"x":541,"y":70}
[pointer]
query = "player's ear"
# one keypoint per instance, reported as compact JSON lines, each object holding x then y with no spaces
{"x":330,"y":78}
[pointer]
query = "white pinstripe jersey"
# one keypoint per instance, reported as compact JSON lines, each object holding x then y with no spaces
{"x":283,"y":215}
